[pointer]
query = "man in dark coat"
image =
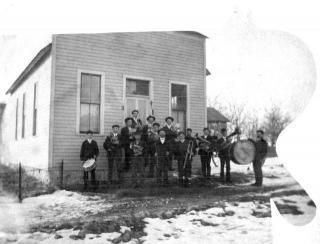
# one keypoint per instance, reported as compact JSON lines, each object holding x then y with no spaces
{"x":89,"y":150}
{"x":205,"y":152}
{"x":184,"y":158}
{"x":136,"y":122}
{"x":260,"y":156}
{"x":152,"y":138}
{"x":171,"y":135}
{"x":223,"y":144}
{"x":115,"y":152}
{"x":162,"y":151}
{"x":126,"y":135}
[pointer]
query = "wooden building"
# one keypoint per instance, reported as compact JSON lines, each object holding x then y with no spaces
{"x":91,"y":81}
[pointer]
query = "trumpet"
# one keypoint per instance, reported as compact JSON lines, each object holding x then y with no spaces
{"x":189,"y":153}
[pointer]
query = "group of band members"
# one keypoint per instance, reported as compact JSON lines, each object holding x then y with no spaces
{"x":147,"y":147}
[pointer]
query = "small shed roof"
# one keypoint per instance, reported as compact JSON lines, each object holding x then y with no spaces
{"x":42,"y":54}
{"x":214,"y":115}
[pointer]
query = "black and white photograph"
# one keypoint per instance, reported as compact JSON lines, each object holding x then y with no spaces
{"x":114,"y":134}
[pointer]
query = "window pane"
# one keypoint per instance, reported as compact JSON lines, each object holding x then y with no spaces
{"x":179,"y":97}
{"x":137,"y":87}
{"x":95,"y":89}
{"x":85,"y":88}
{"x":131,"y":105}
{"x":84,"y":117}
{"x":94,"y":117}
{"x":142,"y":106}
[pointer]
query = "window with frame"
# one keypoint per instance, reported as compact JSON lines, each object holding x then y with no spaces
{"x":23,"y":115}
{"x":136,"y":87}
{"x":35,"y":109}
{"x":179,"y":104}
{"x":90,"y":101}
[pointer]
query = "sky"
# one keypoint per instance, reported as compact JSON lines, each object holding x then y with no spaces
{"x":249,"y":64}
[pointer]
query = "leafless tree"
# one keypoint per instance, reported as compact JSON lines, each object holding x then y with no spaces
{"x":274,"y":122}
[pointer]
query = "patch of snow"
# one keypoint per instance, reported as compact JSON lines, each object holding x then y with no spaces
{"x":187,"y":228}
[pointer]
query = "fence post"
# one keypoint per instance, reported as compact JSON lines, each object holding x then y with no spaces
{"x":61,"y":175}
{"x":20,"y":179}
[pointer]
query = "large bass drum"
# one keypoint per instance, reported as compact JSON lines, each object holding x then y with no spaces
{"x":242,"y":152}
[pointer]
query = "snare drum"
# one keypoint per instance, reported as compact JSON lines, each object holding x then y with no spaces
{"x":89,"y":165}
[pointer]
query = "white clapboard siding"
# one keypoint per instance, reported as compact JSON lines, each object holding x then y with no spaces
{"x":32,"y":150}
{"x":162,"y":56}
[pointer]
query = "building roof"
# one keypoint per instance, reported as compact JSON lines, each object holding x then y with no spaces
{"x":35,"y":62}
{"x":214,"y":115}
{"x":193,"y":33}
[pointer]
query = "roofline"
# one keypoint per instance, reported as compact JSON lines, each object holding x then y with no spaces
{"x":41,"y":55}
{"x":194,"y":33}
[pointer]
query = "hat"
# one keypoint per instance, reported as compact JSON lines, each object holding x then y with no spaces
{"x":89,"y":132}
{"x":169,"y":117}
{"x":113,"y":126}
{"x":128,"y":118}
{"x":189,"y":129}
{"x":181,"y":132}
{"x":135,"y":110}
{"x":157,"y":124}
{"x":205,"y":128}
{"x":151,"y":116}
{"x":260,"y":131}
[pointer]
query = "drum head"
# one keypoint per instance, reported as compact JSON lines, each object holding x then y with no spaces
{"x":89,"y":164}
{"x":242,"y":152}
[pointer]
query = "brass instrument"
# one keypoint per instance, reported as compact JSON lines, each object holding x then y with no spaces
{"x":228,"y":142}
{"x":154,"y":136}
{"x":114,"y":139}
{"x":205,"y":145}
{"x":188,"y":154}
{"x":137,"y":149}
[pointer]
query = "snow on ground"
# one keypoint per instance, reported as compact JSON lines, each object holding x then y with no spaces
{"x":16,"y":217}
{"x":211,"y":226}
{"x":246,"y":222}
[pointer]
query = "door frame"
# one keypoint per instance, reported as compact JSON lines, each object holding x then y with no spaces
{"x":188,"y":100}
{"x":124,"y":92}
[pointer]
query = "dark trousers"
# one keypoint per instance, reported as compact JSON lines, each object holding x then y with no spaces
{"x":137,"y":164}
{"x":205,"y":164}
{"x":113,"y":163}
{"x":92,"y":177}
{"x":152,"y":162}
{"x":162,"y":169}
{"x":184,"y":171}
{"x":225,"y":162}
{"x":257,"y":168}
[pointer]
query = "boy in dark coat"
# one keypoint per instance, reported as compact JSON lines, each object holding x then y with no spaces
{"x":223,"y":153}
{"x":113,"y":146}
{"x":162,"y":151}
{"x":89,"y":150}
{"x":171,"y":135}
{"x":184,"y":158}
{"x":205,"y":152}
{"x":126,"y":135}
{"x":152,"y":138}
{"x":138,"y":148}
{"x":136,"y":122}
{"x":261,"y":153}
